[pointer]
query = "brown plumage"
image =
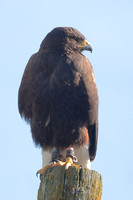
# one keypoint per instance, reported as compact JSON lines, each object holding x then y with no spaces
{"x":58,"y":93}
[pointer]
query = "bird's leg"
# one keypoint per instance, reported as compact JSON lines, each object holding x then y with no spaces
{"x":54,"y":162}
{"x":70,"y":158}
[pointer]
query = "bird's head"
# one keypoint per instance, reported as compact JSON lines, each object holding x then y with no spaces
{"x":65,"y":39}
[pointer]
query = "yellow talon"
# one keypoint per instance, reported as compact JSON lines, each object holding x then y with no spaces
{"x":69,"y":162}
{"x":55,"y":163}
{"x":43,"y":170}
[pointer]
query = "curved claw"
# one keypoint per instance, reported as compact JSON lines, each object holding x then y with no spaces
{"x":69,"y":162}
{"x":52,"y":164}
{"x":54,"y":161}
{"x":37,"y":173}
{"x":40,"y":175}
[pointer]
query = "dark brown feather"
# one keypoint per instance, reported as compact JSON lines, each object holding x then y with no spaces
{"x":58,"y":93}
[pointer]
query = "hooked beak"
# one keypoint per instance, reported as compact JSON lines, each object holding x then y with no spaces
{"x":88,"y":47}
{"x":85,"y":45}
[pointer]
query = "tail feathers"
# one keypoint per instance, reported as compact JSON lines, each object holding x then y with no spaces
{"x":93,"y":138}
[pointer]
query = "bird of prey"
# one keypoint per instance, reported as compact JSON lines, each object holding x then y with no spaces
{"x":58,"y":97}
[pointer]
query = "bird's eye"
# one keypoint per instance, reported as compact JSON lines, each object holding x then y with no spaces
{"x":76,"y":40}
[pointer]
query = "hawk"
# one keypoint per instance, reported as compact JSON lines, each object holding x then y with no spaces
{"x":58,"y":97}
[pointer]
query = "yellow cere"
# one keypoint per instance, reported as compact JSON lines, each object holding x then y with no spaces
{"x":83,"y":43}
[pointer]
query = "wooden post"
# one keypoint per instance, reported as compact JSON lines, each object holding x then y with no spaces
{"x":70,"y":184}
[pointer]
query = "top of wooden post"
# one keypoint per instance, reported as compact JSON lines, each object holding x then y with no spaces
{"x":70,"y":184}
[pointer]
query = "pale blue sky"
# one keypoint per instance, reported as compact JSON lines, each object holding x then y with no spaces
{"x":108,"y":26}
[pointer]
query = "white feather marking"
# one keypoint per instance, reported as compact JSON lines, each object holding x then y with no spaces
{"x":83,"y":157}
{"x":46,"y":157}
{"x":93,"y":77}
{"x":47,"y":122}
